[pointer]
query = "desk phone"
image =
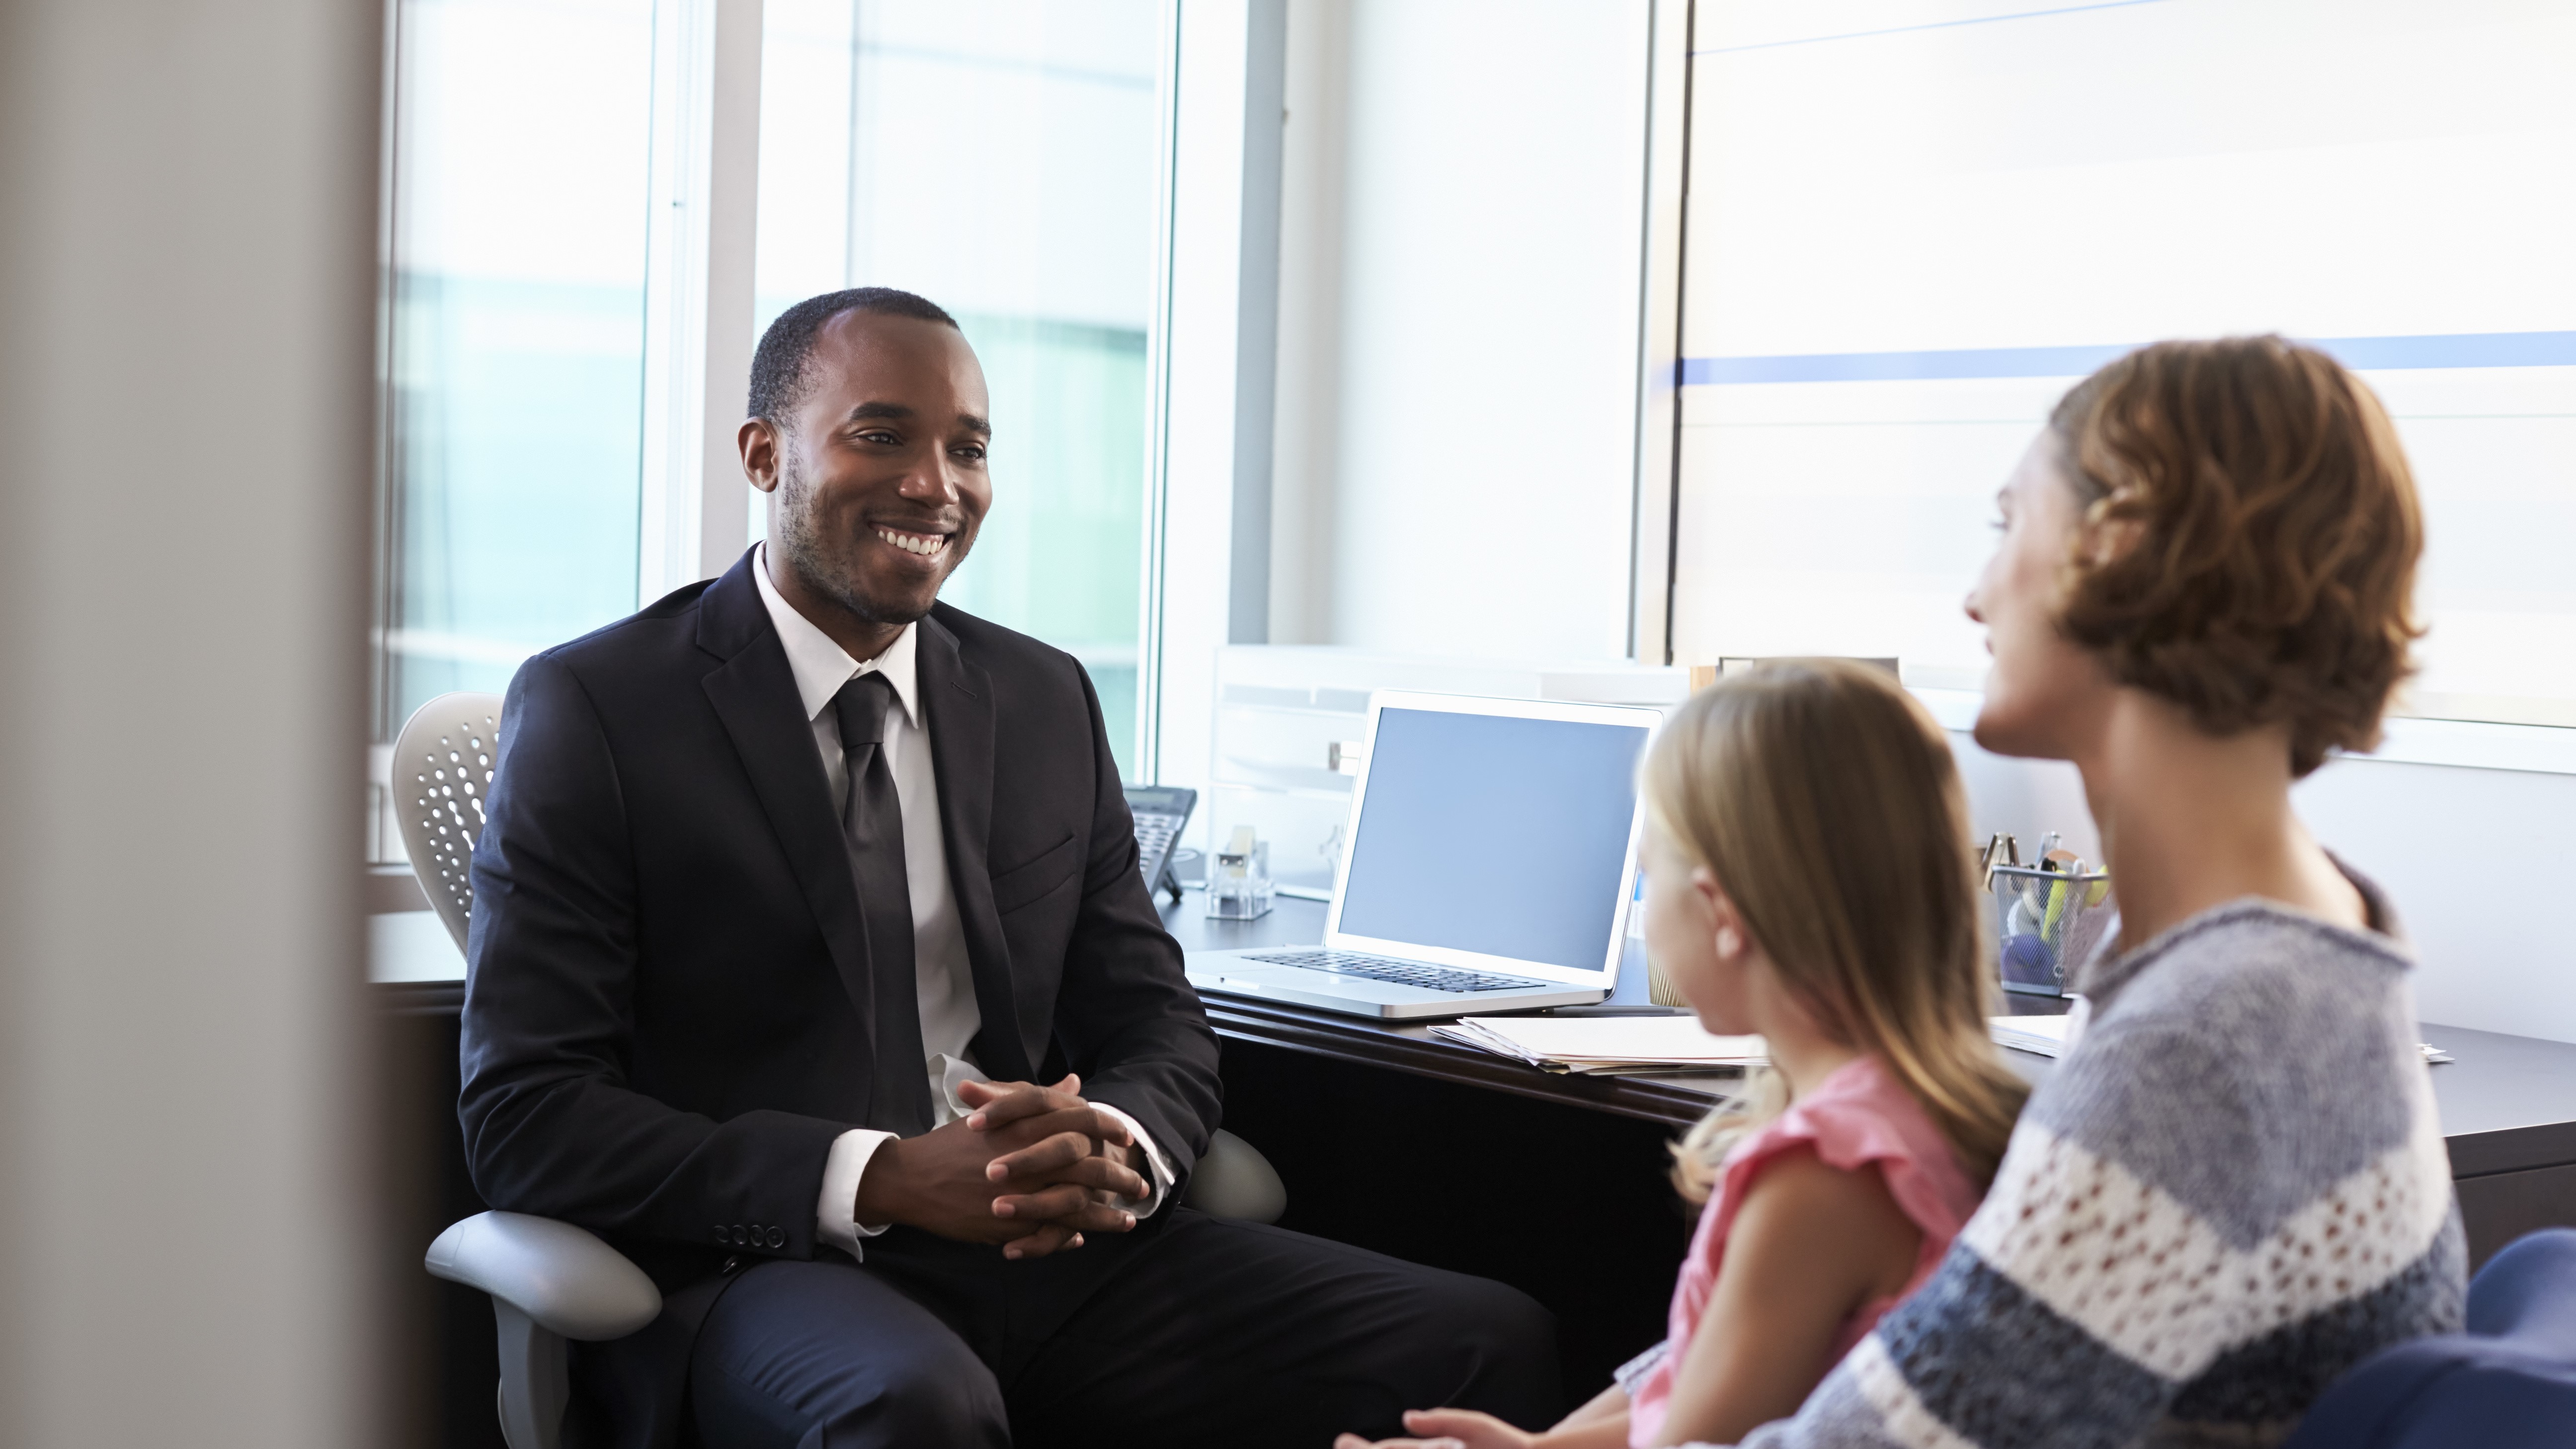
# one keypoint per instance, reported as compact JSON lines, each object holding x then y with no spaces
{"x":1160,"y":811}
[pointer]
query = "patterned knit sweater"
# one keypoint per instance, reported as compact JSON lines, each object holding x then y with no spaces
{"x":2231,"y":1190}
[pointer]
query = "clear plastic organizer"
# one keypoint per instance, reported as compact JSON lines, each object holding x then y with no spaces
{"x":2047,"y":922}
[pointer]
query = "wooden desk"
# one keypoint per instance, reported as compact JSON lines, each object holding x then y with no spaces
{"x":2507,"y":1103}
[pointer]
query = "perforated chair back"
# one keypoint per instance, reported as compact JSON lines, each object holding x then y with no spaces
{"x":442,"y":767}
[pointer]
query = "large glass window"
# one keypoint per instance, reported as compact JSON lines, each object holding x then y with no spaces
{"x":1912,"y":224}
{"x":516,"y":226}
{"x":1000,"y":158}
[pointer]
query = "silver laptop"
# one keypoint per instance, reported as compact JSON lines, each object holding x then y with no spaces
{"x":1492,"y":851}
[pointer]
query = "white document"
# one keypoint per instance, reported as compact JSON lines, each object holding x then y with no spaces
{"x":1602,"y":1044}
{"x":2042,"y":1035}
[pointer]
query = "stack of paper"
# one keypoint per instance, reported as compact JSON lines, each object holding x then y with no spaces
{"x":1605,"y":1045}
{"x":2044,"y":1035}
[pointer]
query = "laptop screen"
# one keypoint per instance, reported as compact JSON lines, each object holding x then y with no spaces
{"x":1492,"y":834}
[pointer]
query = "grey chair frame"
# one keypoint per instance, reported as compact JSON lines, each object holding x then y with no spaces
{"x":551,"y":1282}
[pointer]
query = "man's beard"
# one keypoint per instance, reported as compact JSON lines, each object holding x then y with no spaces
{"x":810,"y":555}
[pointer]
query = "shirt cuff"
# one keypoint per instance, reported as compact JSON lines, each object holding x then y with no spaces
{"x":1158,"y":1176}
{"x":836,"y":1212}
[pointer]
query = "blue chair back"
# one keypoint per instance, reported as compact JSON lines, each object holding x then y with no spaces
{"x":2507,"y":1383}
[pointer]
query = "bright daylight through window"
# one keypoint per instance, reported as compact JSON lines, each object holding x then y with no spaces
{"x":515,"y":258}
{"x":1910,"y":232}
{"x":998,"y":157}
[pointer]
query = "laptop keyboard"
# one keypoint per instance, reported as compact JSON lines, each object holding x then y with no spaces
{"x":1401,"y":973}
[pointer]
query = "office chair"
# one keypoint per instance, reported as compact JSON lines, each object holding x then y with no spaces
{"x":2509,"y":1382}
{"x":550,"y":1281}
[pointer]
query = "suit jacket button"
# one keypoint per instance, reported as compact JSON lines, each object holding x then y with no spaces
{"x":721,"y":1235}
{"x":730,"y":1264}
{"x":740,"y":1237}
{"x":778,"y":1237}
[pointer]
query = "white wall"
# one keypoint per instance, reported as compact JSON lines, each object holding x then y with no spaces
{"x":1462,"y":224}
{"x":186,"y":298}
{"x":2477,"y":862}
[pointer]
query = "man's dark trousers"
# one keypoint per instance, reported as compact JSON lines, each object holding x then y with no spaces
{"x":1207,"y":1332}
{"x":669,"y":1019}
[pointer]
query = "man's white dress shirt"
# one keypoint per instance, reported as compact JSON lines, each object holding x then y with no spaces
{"x":943,"y":981}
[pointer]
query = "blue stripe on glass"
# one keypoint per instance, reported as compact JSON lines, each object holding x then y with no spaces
{"x":1934,"y":25}
{"x":2458,"y":349}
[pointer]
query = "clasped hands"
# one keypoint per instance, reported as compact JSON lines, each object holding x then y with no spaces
{"x":1031,"y":1168}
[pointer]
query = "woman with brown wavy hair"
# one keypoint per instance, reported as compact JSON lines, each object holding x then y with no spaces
{"x":2233,"y":1187}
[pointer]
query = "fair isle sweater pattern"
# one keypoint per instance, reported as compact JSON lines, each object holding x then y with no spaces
{"x":2233,"y":1189}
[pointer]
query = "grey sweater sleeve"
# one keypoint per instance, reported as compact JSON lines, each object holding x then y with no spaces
{"x":2233,"y":1189}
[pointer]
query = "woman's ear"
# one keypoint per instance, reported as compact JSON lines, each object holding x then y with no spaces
{"x":2107,"y":531}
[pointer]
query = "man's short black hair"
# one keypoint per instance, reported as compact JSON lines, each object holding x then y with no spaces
{"x":778,"y":367}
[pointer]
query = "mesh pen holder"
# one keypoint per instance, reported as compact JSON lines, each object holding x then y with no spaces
{"x":2047,"y":922}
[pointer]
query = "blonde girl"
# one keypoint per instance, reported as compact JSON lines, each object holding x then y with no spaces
{"x":1808,"y":879}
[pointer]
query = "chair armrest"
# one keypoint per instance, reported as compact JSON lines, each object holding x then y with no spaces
{"x":560,"y":1276}
{"x":1233,"y":1180}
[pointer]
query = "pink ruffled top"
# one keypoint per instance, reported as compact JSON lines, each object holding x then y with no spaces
{"x":1858,"y":1115}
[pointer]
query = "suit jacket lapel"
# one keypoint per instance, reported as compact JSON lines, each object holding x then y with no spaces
{"x":957,"y":710}
{"x":754,"y":693}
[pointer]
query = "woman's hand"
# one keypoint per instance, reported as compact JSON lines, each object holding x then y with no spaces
{"x":1448,"y":1429}
{"x":1600,"y":1424}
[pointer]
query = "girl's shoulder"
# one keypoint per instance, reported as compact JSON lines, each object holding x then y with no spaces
{"x":1861,"y":1116}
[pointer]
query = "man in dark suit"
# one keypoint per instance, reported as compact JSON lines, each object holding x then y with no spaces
{"x":794,"y":889}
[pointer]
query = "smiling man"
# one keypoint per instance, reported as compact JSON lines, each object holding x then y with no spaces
{"x":812,"y":967}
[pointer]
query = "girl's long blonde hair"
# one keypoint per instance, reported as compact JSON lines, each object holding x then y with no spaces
{"x":1825,"y":801}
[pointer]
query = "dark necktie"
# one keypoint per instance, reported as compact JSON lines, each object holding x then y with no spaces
{"x":872,"y":823}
